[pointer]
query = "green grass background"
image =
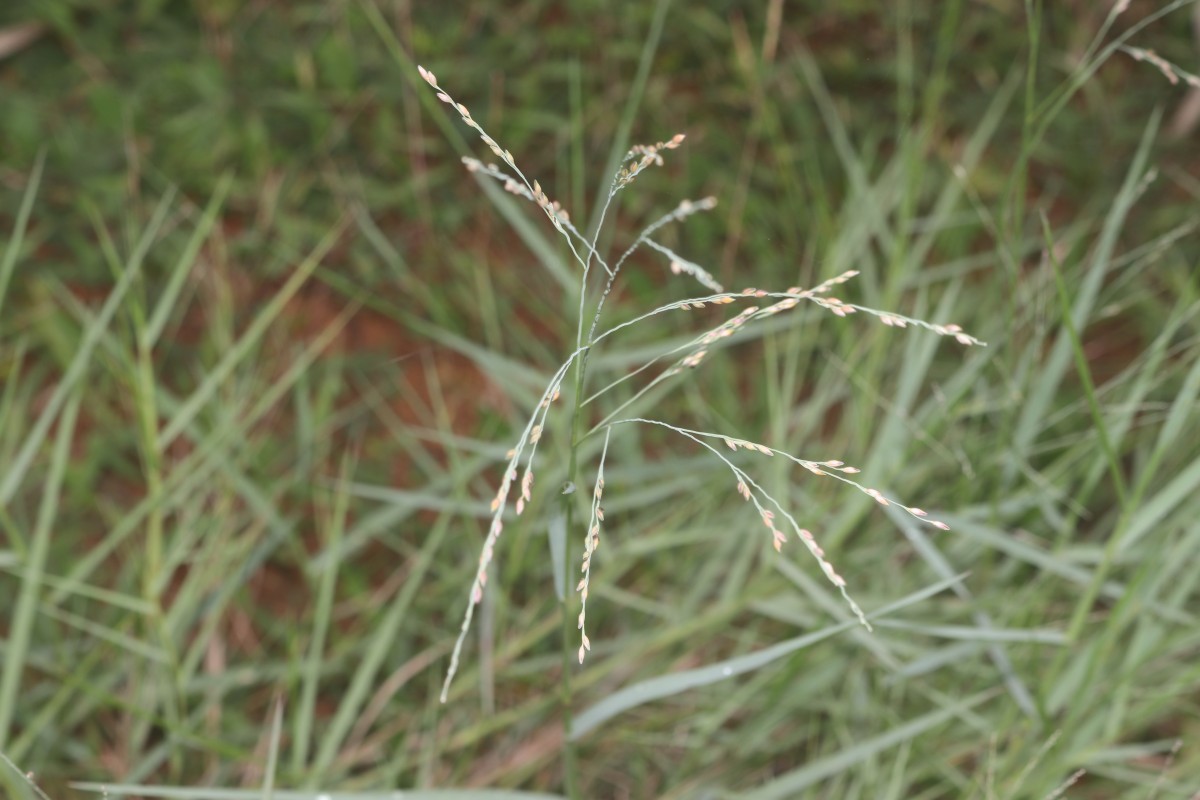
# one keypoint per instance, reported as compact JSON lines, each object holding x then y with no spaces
{"x":264,"y":344}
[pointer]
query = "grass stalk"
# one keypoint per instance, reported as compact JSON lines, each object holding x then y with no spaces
{"x":570,"y":781}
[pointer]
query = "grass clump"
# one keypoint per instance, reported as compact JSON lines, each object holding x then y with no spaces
{"x":257,"y":375}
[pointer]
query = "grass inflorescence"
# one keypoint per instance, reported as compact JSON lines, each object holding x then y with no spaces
{"x":584,"y":251}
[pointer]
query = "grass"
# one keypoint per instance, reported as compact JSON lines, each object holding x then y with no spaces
{"x":265,"y":344}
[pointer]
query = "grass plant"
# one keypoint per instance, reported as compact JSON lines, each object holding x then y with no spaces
{"x":636,"y":161}
{"x":524,"y":452}
{"x":263,"y":353}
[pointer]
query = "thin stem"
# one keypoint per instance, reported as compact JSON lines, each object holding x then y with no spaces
{"x":568,"y":500}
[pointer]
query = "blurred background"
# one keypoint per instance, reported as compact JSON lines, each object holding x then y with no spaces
{"x":264,"y":344}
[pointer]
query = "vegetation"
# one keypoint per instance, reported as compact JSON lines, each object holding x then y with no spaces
{"x":264,"y":345}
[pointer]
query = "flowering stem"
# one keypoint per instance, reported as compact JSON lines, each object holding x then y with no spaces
{"x":568,"y":633}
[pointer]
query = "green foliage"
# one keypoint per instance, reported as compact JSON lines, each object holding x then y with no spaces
{"x":264,"y":344}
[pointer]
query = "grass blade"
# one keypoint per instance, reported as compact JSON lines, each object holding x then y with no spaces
{"x":669,"y":685}
{"x":219,"y":373}
{"x":117,"y":791}
{"x":13,"y":250}
{"x":799,"y":779}
{"x":17,"y":646}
